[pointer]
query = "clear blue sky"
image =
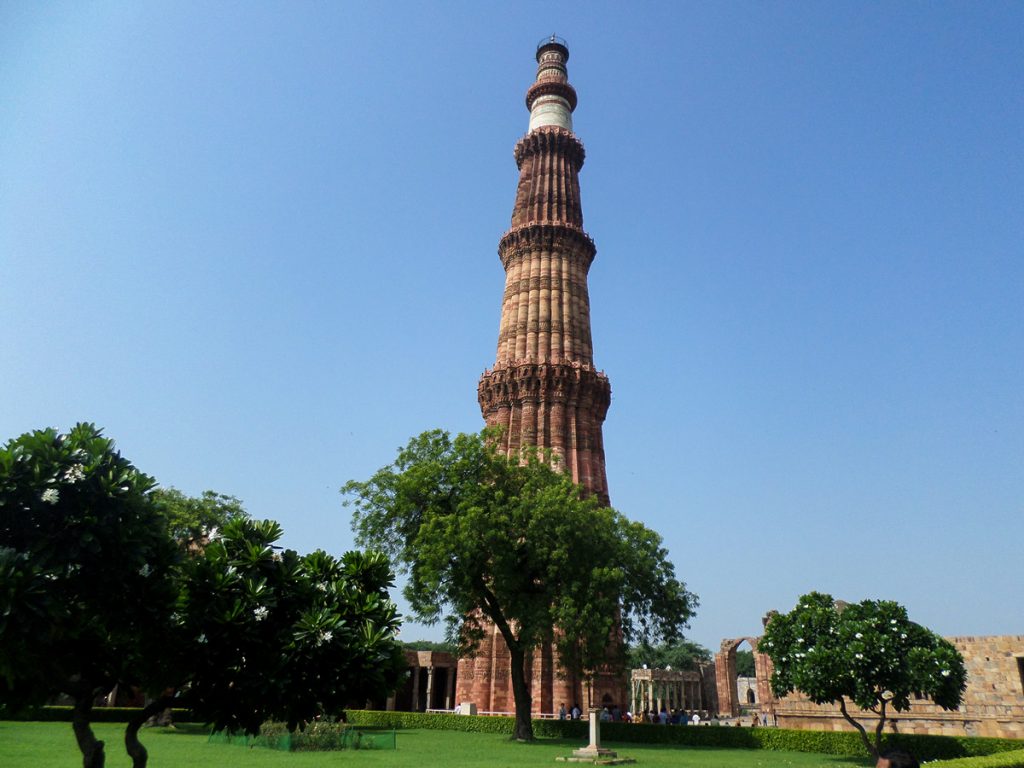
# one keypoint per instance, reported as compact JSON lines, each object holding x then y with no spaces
{"x":256,"y":242}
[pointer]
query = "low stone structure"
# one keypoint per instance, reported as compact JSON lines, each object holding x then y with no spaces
{"x":993,"y":703}
{"x":431,"y":683}
{"x":671,"y":689}
{"x":746,"y":691}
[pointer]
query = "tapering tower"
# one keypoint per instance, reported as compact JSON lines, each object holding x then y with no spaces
{"x":543,"y":389}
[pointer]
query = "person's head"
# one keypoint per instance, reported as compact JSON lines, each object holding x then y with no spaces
{"x":896,"y":758}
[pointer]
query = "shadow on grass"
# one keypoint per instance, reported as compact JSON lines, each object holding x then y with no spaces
{"x":178,"y":729}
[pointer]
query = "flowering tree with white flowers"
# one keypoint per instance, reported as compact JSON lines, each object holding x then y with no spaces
{"x":85,"y":572}
{"x":269,"y":634}
{"x":868,"y":653}
{"x":260,"y":633}
{"x":97,"y":591}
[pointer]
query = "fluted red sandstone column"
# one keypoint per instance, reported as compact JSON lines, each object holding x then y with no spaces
{"x":543,"y":389}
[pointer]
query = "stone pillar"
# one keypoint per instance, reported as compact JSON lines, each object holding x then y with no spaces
{"x":430,"y":687}
{"x":595,"y":729}
{"x":449,"y":686}
{"x":415,"y":689}
{"x":594,"y":749}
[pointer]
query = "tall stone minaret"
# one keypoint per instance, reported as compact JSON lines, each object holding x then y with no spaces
{"x":543,"y":389}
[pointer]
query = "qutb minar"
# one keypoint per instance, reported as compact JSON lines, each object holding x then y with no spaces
{"x":543,"y":389}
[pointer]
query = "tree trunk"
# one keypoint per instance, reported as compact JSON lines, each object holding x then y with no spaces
{"x":871,"y":748}
{"x":91,"y":748}
{"x":521,"y":694}
{"x":136,"y":751}
{"x":878,"y":730}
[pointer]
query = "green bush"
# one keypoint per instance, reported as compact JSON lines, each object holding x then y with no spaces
{"x":1011,"y":759}
{"x":435,"y":722}
{"x":320,"y":736}
{"x":839,"y":743}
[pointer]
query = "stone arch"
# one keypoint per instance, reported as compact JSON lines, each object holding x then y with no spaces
{"x":725,"y":676}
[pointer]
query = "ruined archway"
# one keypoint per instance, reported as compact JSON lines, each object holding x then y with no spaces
{"x":725,"y":677}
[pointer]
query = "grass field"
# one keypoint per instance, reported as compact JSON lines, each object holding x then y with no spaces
{"x":52,"y":745}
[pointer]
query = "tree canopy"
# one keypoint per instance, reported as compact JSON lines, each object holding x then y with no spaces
{"x":95,"y":592}
{"x":516,"y":543}
{"x":192,"y":520}
{"x":869,"y":653}
{"x":430,"y":645}
{"x":680,"y":654}
{"x":745,"y":664}
{"x":262,"y":633}
{"x":86,"y":572}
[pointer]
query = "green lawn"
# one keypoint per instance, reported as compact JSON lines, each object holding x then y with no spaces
{"x":52,"y":745}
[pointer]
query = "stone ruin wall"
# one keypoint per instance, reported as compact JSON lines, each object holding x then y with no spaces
{"x":993,"y":704}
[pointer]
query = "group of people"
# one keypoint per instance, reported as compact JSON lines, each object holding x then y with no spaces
{"x":613,"y":713}
{"x":673,"y":717}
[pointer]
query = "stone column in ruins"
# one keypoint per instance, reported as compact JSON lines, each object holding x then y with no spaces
{"x":543,"y":389}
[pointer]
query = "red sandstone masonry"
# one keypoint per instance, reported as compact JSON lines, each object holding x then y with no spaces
{"x":993,"y":704}
{"x":543,"y":388}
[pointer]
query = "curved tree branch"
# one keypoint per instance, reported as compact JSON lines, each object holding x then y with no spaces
{"x":872,"y":750}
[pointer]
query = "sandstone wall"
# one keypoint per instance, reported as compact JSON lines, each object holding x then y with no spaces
{"x":993,"y":703}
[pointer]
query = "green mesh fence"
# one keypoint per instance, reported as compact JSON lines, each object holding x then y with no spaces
{"x":317,"y":737}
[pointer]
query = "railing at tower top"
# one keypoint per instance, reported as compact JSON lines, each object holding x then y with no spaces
{"x":553,"y":40}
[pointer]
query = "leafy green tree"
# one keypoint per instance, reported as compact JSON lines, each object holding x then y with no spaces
{"x":430,"y":645}
{"x":681,"y":654}
{"x":869,"y":653}
{"x":262,"y":634}
{"x":85,"y":564}
{"x":745,"y":664}
{"x":95,"y":592}
{"x":194,"y":519}
{"x":516,"y":543}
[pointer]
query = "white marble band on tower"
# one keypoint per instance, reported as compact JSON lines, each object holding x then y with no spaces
{"x":551,"y":99}
{"x":551,"y":110}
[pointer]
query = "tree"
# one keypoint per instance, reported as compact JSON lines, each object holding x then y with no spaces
{"x":745,"y":664}
{"x":85,"y":559}
{"x":681,"y":654}
{"x":95,"y":592}
{"x":430,"y":645}
{"x":869,"y":653}
{"x":193,"y":520}
{"x":263,"y":634}
{"x":517,"y":543}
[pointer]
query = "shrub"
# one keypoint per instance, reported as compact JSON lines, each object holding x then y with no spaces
{"x":1011,"y":759}
{"x":840,"y":743}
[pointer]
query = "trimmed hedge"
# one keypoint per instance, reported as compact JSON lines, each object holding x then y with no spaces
{"x":59,"y":714}
{"x":433,"y":722}
{"x":840,"y":743}
{"x":1012,"y":759}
